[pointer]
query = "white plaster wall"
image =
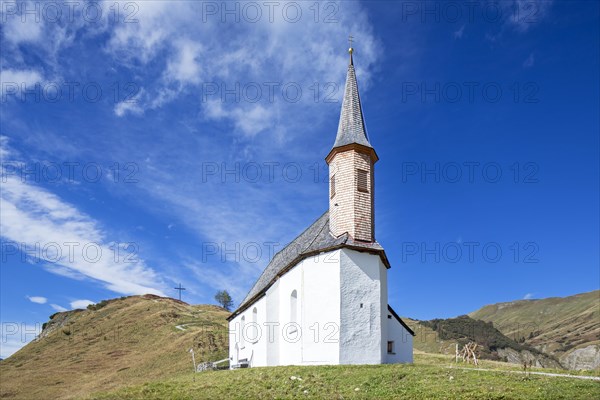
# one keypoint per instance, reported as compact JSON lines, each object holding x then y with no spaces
{"x":321,"y":309}
{"x":384,"y":309}
{"x":361,"y":328}
{"x":254,"y":346}
{"x":272,"y":331}
{"x":290,"y":351}
{"x":403,"y":343}
{"x":334,"y":329}
{"x":256,"y":335}
{"x":317,"y":283}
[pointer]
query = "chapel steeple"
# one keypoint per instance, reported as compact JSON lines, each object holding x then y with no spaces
{"x":351,"y":165}
{"x":351,"y":128}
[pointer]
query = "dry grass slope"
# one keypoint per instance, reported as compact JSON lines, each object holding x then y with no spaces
{"x":554,"y":325}
{"x":126,"y":341}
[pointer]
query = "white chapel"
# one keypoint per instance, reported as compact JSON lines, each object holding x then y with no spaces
{"x":323,"y":299}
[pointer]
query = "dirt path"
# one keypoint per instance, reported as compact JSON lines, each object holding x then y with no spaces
{"x":591,"y":378}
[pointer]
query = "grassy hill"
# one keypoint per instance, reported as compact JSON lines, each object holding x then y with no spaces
{"x":568,"y":328}
{"x":137,"y":348}
{"x":114,"y":343}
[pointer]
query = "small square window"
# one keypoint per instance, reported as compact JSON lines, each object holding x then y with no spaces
{"x":390,"y":347}
{"x":362,"y":180}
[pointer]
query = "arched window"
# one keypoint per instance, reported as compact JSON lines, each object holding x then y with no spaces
{"x":242,"y":334}
{"x":294,"y":307}
{"x":253,"y":334}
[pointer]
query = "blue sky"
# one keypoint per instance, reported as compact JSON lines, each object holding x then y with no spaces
{"x":146,"y":144}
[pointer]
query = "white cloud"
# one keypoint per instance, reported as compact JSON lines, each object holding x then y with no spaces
{"x":37,"y":299}
{"x":65,"y":239}
{"x":520,"y":16}
{"x":528,"y":296}
{"x":15,"y":80}
{"x":81,"y":304}
{"x":132,"y":105}
{"x":185,"y":66}
{"x":525,"y":14}
{"x":241,"y":53}
{"x":174,"y":54}
{"x":22,"y":28}
{"x":249,"y":120}
{"x":141,"y":40}
{"x":58,"y":308}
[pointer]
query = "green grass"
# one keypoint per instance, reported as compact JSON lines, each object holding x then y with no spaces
{"x":431,"y":377}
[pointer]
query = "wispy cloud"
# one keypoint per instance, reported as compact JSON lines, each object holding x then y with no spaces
{"x":81,"y":303}
{"x":170,"y":56}
{"x":459,"y":33}
{"x":23,"y":30}
{"x":219,"y":57}
{"x":37,"y":299}
{"x":14,"y":80}
{"x":73,"y":241}
{"x":525,"y":14}
{"x":520,"y":16}
{"x":528,"y":296}
{"x":529,"y":62}
{"x":58,"y":308}
{"x":132,"y":105}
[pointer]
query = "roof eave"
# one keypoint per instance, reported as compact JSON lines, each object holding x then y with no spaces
{"x":390,"y":309}
{"x":361,"y":148}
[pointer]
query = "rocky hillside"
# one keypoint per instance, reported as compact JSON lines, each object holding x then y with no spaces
{"x":567,"y":328}
{"x":114,"y":343}
{"x":442,"y":335}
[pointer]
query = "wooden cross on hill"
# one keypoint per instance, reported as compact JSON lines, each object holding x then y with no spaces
{"x":180,"y":288}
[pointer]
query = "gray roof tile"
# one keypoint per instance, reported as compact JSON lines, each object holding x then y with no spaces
{"x":351,"y":128}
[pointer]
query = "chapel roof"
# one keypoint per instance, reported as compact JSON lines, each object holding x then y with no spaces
{"x":316,"y":239}
{"x":351,"y":128}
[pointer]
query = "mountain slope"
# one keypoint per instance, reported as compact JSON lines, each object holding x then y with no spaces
{"x":442,"y":335}
{"x":114,"y":343}
{"x":568,"y":328}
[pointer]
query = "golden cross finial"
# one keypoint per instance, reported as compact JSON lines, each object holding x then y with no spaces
{"x":350,"y":40}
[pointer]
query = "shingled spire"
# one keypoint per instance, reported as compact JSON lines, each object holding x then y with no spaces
{"x":351,"y":128}
{"x":351,"y":164}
